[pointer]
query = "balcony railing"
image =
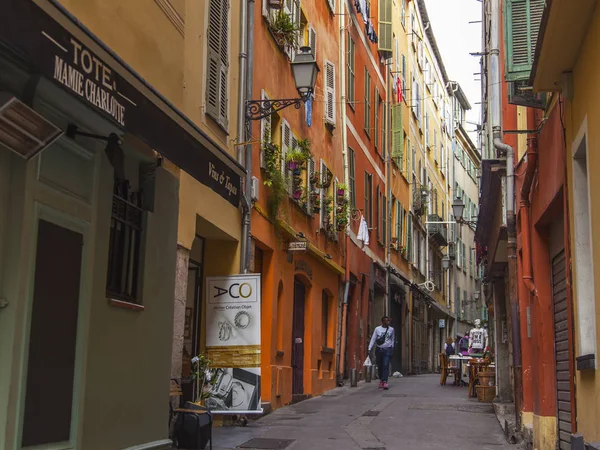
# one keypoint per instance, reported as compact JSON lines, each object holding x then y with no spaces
{"x":438,"y":232}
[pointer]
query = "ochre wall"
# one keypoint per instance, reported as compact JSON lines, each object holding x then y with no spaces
{"x":585,"y":106}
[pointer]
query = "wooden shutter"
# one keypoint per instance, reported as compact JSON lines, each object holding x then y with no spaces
{"x":309,"y":188}
{"x":331,"y":4}
{"x":384,"y":217}
{"x":352,"y":175}
{"x":404,"y":77}
{"x":265,"y":10}
{"x":376,"y":130}
{"x":398,"y":226}
{"x":397,"y":135}
{"x":323,"y":172}
{"x":329,"y":92}
{"x":367,"y":106}
{"x":217,"y":61}
{"x":409,"y":238}
{"x":522,"y":25}
{"x":286,"y":146}
{"x":385,"y":25}
{"x":265,"y":131}
{"x":312,"y":40}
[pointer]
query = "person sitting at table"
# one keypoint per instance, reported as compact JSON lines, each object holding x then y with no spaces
{"x":449,"y":347}
{"x":463,"y":346}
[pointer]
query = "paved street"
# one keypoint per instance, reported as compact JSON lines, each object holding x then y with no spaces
{"x":416,"y":413}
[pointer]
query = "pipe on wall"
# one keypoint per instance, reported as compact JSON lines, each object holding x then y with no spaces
{"x":532,"y":156}
{"x":502,"y":147}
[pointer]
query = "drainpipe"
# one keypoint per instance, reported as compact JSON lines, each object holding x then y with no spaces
{"x":245,"y":133}
{"x":342,"y":347}
{"x":388,"y":178}
{"x":532,"y":156}
{"x":504,"y":148}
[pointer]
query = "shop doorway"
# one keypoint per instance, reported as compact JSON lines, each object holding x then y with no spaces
{"x":298,"y":339}
{"x":561,"y":350}
{"x":192,"y":330}
{"x":51,"y":362}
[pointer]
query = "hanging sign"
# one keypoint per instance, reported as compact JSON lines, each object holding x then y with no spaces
{"x":298,"y":246}
{"x":442,"y":323}
{"x":232,"y":323}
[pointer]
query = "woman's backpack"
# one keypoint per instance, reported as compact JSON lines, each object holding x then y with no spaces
{"x":449,"y":349}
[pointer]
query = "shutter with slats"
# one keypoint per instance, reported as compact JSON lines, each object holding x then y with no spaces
{"x":217,"y":61}
{"x":523,"y":19}
{"x":397,"y":135}
{"x":329,"y":92}
{"x":334,"y":213}
{"x":312,"y":41}
{"x":385,"y":26}
{"x":398,"y":227}
{"x":409,"y":238}
{"x":323,"y":214}
{"x":309,"y":188}
{"x":376,"y":130}
{"x":265,"y":131}
{"x":286,"y":146}
{"x":331,"y":4}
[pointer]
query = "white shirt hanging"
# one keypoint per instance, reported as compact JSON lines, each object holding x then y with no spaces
{"x":363,"y":231}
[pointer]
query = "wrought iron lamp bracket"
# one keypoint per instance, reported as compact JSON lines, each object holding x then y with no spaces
{"x":259,"y":109}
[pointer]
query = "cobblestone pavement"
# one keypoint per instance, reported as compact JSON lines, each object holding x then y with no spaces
{"x":415,"y":413}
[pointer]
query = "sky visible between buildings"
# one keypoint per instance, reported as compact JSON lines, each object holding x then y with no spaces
{"x":456,"y":38}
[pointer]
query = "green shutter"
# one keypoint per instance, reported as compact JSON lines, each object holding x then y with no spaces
{"x":522,"y":25}
{"x":385,"y":25}
{"x":397,"y":135}
{"x":409,"y":228}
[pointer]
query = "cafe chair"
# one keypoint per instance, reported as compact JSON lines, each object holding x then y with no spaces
{"x":446,"y":369}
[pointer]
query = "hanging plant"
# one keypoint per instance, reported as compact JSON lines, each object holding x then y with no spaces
{"x":314,"y":178}
{"x":326,"y":179}
{"x":295,"y":159}
{"x":284,"y":30}
{"x":341,"y":189}
{"x":274,"y":179}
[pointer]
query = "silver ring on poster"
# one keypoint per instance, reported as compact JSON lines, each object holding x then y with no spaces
{"x":242,"y":320}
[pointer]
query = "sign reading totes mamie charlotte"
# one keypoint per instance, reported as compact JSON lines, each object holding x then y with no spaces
{"x":232,"y":323}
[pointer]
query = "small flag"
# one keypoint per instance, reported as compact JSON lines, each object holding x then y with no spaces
{"x":308,"y":110}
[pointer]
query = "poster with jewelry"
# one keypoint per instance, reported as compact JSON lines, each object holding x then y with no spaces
{"x":232,"y":323}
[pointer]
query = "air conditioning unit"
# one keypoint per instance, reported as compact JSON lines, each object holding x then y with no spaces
{"x":255,"y":191}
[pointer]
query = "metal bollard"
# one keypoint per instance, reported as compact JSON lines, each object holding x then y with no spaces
{"x":353,"y":378}
{"x":368,"y":374}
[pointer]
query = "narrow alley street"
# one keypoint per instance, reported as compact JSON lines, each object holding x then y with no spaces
{"x":415,"y":413}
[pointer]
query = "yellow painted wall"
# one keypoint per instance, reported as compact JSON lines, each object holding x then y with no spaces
{"x":586,"y":105}
{"x":544,"y":436}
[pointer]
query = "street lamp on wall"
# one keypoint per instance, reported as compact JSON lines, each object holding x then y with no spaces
{"x":458,"y":208}
{"x":305,"y":70}
{"x":446,"y":262}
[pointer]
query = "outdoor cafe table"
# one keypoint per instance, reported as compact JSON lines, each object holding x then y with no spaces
{"x":461,"y":361}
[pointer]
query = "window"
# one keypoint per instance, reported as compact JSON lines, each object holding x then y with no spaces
{"x":352,"y":175}
{"x":124,"y":245}
{"x":325,"y":319}
{"x":330,"y":92}
{"x":217,"y":61}
{"x":367,"y":103}
{"x":409,"y":238}
{"x":385,"y":25}
{"x":397,"y":136}
{"x":384,"y":221}
{"x":350,"y":72}
{"x":311,"y":40}
{"x":522,"y":25}
{"x":403,"y":16}
{"x":404,"y":77}
{"x":369,"y":199}
{"x":376,"y":131}
{"x":378,"y":213}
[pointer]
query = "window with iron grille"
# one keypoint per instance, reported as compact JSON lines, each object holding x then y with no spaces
{"x":124,"y":248}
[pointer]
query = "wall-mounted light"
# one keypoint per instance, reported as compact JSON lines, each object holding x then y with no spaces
{"x":22,"y":130}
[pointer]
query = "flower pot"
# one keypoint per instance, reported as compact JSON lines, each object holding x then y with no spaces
{"x":340,"y":192}
{"x":296,"y":195}
{"x":487,"y":378}
{"x":341,"y":227}
{"x":316,"y":209}
{"x":292,"y":165}
{"x":297,"y":171}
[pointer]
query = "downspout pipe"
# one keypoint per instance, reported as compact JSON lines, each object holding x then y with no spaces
{"x":532,"y":156}
{"x":242,"y":135}
{"x":502,"y":147}
{"x":343,"y":335}
{"x":248,"y":18}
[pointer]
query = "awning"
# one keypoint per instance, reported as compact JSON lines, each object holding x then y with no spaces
{"x":52,"y":43}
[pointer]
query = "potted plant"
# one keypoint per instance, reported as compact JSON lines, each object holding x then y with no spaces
{"x":403,"y":251}
{"x":284,"y":30}
{"x":201,"y":374}
{"x":341,"y":190}
{"x":314,"y":178}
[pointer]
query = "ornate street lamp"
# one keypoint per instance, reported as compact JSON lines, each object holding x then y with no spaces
{"x":305,"y":70}
{"x":446,"y":262}
{"x":458,"y":207}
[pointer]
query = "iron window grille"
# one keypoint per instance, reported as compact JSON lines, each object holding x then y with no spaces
{"x":126,"y":227}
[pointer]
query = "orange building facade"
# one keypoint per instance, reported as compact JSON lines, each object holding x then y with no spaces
{"x":300,"y":290}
